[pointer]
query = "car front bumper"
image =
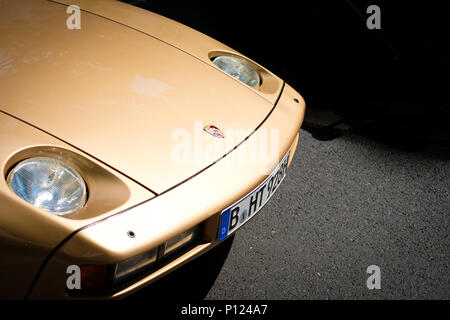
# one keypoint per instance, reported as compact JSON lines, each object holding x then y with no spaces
{"x":197,"y":201}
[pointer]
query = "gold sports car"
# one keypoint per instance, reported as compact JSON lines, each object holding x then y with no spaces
{"x":129,"y":145}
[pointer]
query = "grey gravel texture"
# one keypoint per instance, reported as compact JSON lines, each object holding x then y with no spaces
{"x":347,"y":204}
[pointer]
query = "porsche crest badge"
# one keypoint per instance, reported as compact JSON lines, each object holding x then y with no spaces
{"x":214,"y":131}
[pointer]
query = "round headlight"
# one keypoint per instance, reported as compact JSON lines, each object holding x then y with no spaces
{"x":239,"y":69}
{"x":48,"y":184}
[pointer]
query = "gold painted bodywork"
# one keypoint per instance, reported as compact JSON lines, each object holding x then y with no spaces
{"x":107,"y":99}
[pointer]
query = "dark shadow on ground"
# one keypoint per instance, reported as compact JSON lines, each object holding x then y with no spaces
{"x":192,"y":281}
{"x":425,"y":132}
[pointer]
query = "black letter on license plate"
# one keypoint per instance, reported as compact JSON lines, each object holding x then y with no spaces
{"x":234,"y":218}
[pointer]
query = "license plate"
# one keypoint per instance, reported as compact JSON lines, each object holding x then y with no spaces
{"x":240,"y":212}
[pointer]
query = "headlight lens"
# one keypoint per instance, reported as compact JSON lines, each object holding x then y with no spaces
{"x":48,"y":184}
{"x":239,"y":69}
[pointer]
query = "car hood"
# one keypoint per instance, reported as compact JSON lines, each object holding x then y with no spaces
{"x":132,"y":101}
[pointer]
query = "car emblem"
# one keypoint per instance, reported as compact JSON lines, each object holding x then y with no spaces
{"x":213,"y":130}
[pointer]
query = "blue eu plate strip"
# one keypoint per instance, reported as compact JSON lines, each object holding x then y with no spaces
{"x":224,"y":223}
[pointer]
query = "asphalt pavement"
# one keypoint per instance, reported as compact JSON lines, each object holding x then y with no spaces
{"x":347,"y":204}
